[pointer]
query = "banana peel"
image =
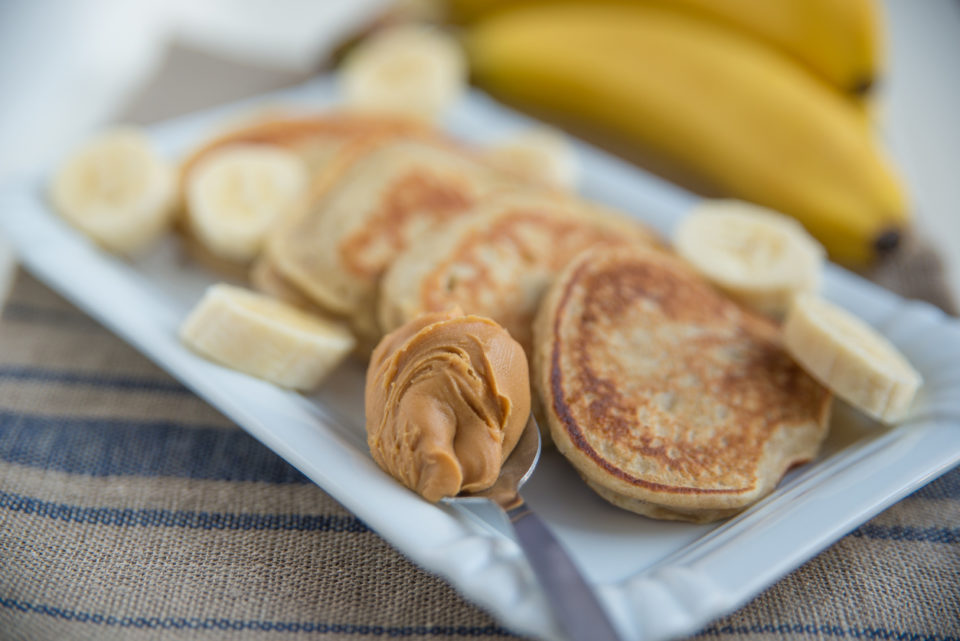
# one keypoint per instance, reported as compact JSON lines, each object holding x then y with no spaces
{"x":734,"y":113}
{"x":839,"y":40}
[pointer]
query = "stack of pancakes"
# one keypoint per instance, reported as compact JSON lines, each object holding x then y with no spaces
{"x":669,"y":399}
{"x":404,"y":221}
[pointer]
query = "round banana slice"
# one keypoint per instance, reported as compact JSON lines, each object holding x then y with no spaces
{"x":538,"y":155}
{"x":850,"y":358}
{"x":266,"y":338}
{"x":760,"y":257}
{"x":412,"y":70}
{"x":236,"y":195}
{"x":117,"y":190}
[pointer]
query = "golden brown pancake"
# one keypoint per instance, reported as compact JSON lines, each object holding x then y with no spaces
{"x":326,"y":143}
{"x":668,"y":398}
{"x":498,"y":261}
{"x":317,"y":138}
{"x":265,"y":279}
{"x":381,"y":201}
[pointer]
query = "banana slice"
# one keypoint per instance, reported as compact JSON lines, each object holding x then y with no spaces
{"x":412,"y":70}
{"x":236,"y":195}
{"x":847,"y":356}
{"x":265,"y":338}
{"x":755,"y":255}
{"x":538,"y":155}
{"x":117,"y":190}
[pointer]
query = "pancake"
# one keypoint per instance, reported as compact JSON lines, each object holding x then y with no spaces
{"x":265,"y":279}
{"x":316,"y":138}
{"x":668,"y":398}
{"x":380,"y":202}
{"x":325,"y":142}
{"x":498,"y":261}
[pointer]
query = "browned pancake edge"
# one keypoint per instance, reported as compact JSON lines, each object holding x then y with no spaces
{"x":790,"y":437}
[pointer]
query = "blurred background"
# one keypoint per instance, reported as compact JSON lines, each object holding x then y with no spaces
{"x":841,"y":112}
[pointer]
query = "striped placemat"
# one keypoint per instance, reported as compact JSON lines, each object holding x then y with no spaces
{"x":130,"y":509}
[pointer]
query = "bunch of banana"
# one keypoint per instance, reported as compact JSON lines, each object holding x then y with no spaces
{"x":836,"y":39}
{"x":734,"y":113}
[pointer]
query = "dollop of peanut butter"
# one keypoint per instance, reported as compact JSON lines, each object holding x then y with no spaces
{"x":447,"y":397}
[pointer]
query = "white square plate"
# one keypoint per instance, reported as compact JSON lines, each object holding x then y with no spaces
{"x":657,"y":579}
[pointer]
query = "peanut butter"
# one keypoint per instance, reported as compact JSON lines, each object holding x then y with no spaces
{"x":447,"y":397}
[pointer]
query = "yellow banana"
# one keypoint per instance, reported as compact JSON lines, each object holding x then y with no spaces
{"x":734,"y":113}
{"x":837,"y":39}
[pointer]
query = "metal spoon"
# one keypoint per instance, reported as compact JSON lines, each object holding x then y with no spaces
{"x":574,"y":603}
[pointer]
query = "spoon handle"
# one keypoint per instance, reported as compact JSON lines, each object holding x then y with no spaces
{"x":574,"y":603}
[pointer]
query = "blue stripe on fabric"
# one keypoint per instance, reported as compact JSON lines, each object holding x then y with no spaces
{"x":102,"y":447}
{"x":126,"y":517}
{"x":853,"y":632}
{"x":44,"y":375}
{"x":181,"y":623}
{"x":908,"y":533}
{"x":23,"y":313}
{"x":254,"y":521}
